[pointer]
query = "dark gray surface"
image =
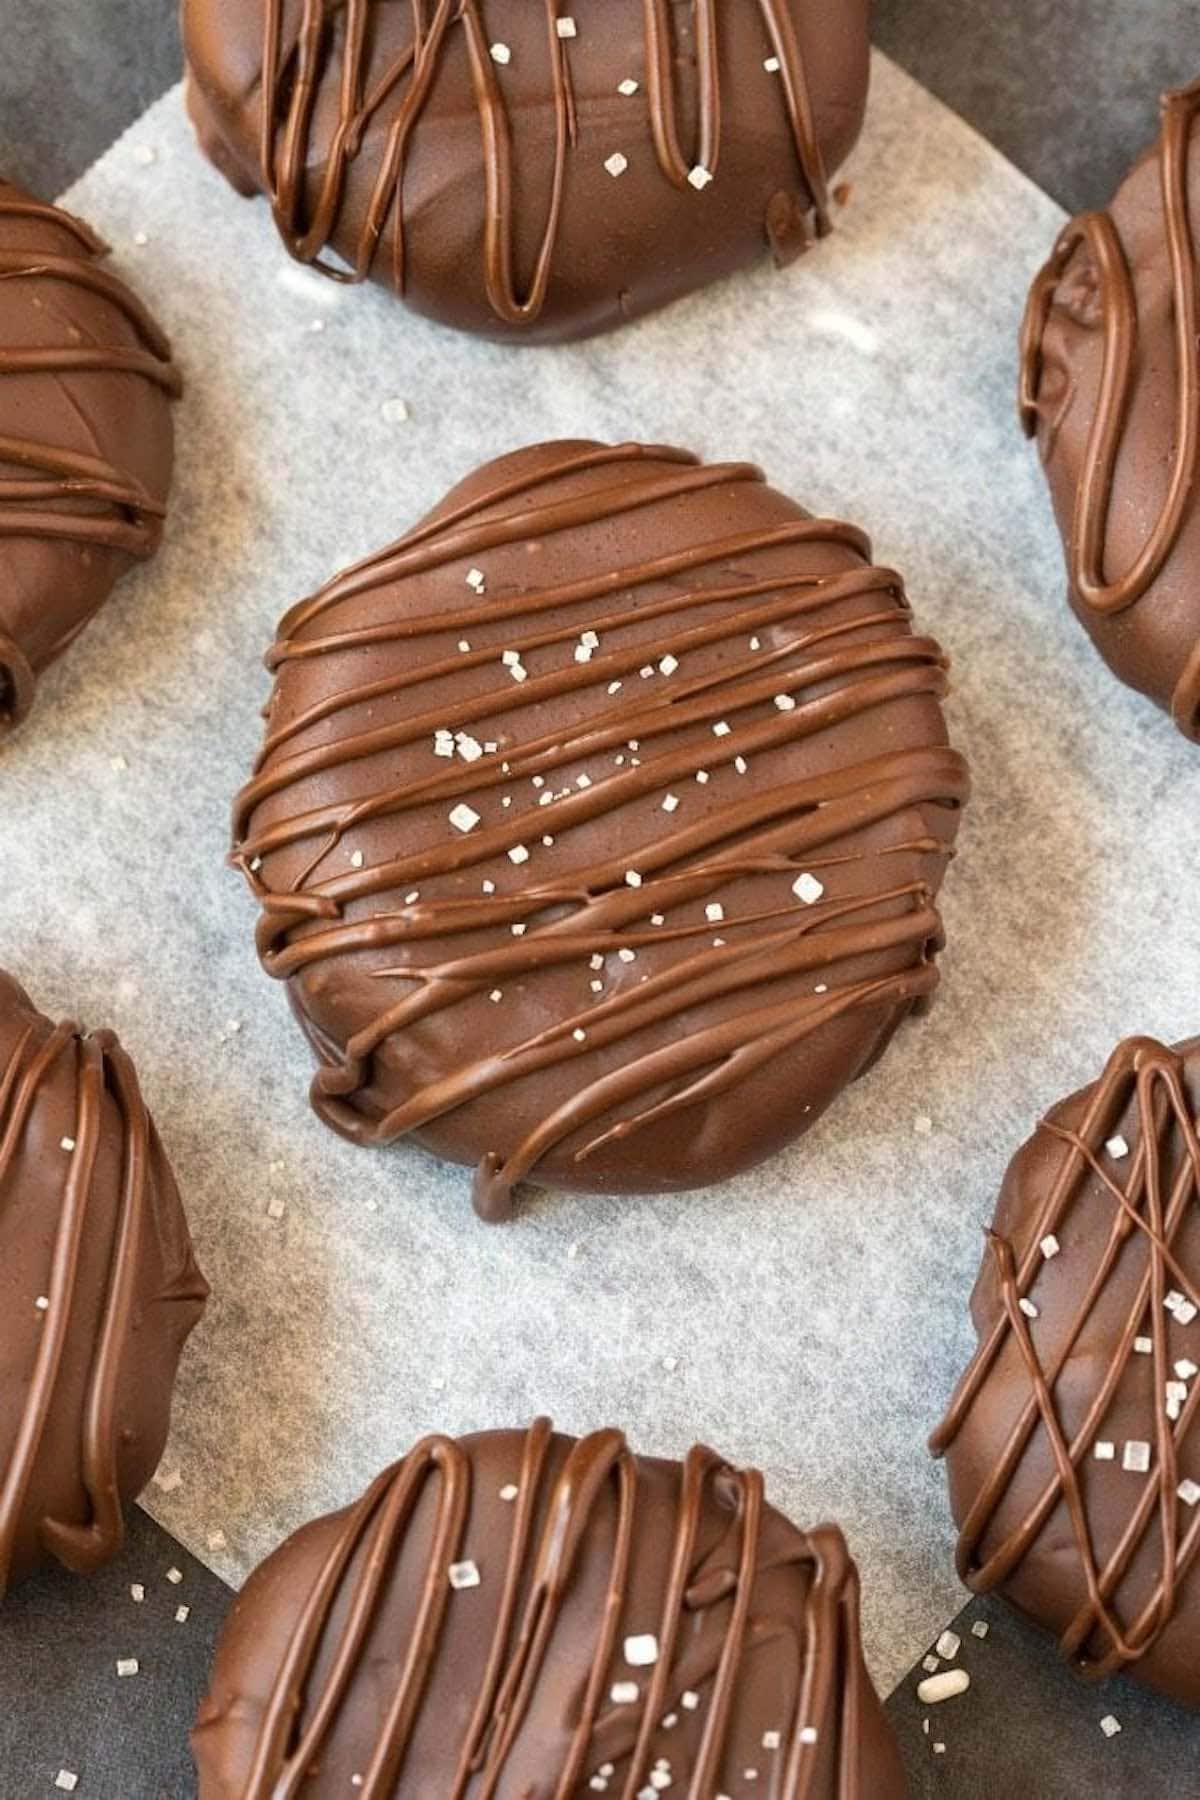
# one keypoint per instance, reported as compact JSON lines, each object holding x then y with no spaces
{"x":1029,"y":1727}
{"x":73,"y":75}
{"x":62,"y":1703}
{"x":1067,"y":89}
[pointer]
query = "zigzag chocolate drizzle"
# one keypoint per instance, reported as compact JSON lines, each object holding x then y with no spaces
{"x":296,"y":66}
{"x":1101,"y":240}
{"x":104,"y":1076}
{"x":46,"y":490}
{"x":707,"y":1631}
{"x":840,"y":663}
{"x":1149,"y":1202}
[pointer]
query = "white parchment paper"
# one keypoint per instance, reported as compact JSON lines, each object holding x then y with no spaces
{"x":809,"y":1317}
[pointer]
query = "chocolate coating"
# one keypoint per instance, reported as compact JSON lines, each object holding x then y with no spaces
{"x":476,"y":184}
{"x":98,"y":1291}
{"x":677,"y":696}
{"x":86,"y":382}
{"x":350,"y":1653}
{"x":1111,"y":386}
{"x":1089,"y":1344}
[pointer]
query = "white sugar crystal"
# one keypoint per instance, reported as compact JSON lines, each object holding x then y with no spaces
{"x":948,"y":1645}
{"x":641,"y":1651}
{"x":772,"y":65}
{"x":127,"y":1665}
{"x":509,"y":1491}
{"x":463,"y":1575}
{"x":66,"y":1143}
{"x":931,"y":1664}
{"x":489,"y":887}
{"x":1103,"y":1451}
{"x":1050,"y":1247}
{"x":1027,"y":1307}
{"x":394,"y":412}
{"x":1185,"y":1312}
{"x":808,"y":1734}
{"x":770,"y":1740}
{"x":668,"y":665}
{"x":216,"y":1540}
{"x":496,"y":995}
{"x":923,"y":1124}
{"x":632,"y":878}
{"x":614,"y":687}
{"x":1117,"y":1147}
{"x":807,"y":888}
{"x":168,"y":1480}
{"x":944,"y":1686}
{"x":1185,"y":1369}
{"x":721,"y":728}
{"x":1110,"y":1726}
{"x":702,"y":776}
{"x":626,"y":954}
{"x":518,"y":854}
{"x":464,"y":817}
{"x":689,"y":1700}
{"x":42,"y":1303}
{"x":566,"y":27}
{"x":699,"y":177}
{"x":980,"y":1628}
{"x":583,"y":781}
{"x":464,"y":645}
{"x":500,"y":53}
{"x":657,"y":919}
{"x":624,"y":1693}
{"x":181,"y":1614}
{"x":1144,"y":1346}
{"x":616,"y":164}
{"x":66,"y":1781}
{"x":579,"y":1034}
{"x":1189,"y":1493}
{"x":740,"y":764}
{"x":356,"y":859}
{"x":174,"y":1576}
{"x":137,"y":1593}
{"x":510,"y":658}
{"x":475,"y":578}
{"x":670,"y":802}
{"x":1136,"y":1460}
{"x":627,"y":87}
{"x":595,"y":960}
{"x":276,"y":1207}
{"x":145,"y":154}
{"x":714,"y":912}
{"x":469,"y":748}
{"x":785,"y":703}
{"x":670,"y":1364}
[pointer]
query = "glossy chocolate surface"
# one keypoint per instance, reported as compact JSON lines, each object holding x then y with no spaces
{"x":98,"y":1291}
{"x":526,"y":171}
{"x":1110,"y":385}
{"x":86,"y":381}
{"x":599,"y":823}
{"x":521,"y":1614}
{"x":1072,"y":1444}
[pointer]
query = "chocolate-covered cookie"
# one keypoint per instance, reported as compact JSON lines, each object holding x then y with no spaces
{"x":527,"y":169}
{"x":86,"y":381}
{"x":98,"y":1291}
{"x":599,"y":823}
{"x":1072,"y":1443}
{"x":530,"y":1614}
{"x":1111,"y":386}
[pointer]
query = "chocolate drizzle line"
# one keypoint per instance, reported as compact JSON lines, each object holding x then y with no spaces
{"x":764,"y":831}
{"x":104,"y":1070}
{"x":47,"y":491}
{"x":1149,"y":1209}
{"x":1097,"y":234}
{"x":295,"y":66}
{"x":297,"y":1723}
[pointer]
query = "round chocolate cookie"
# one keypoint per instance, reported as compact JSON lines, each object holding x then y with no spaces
{"x":99,"y":1289}
{"x":86,"y":382}
{"x":1072,"y":1443}
{"x":525,"y":1613}
{"x":1111,"y":386}
{"x":599,"y":822}
{"x":516,"y":169}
